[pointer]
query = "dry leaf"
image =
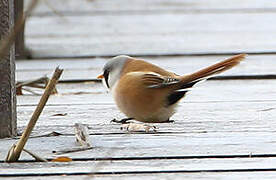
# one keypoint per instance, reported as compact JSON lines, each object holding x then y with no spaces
{"x":62,"y":159}
{"x":82,"y":135}
{"x":60,"y":114}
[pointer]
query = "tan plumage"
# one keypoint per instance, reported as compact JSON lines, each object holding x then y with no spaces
{"x":215,"y":69}
{"x":148,"y":93}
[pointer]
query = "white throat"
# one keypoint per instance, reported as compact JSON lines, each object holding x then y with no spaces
{"x":115,"y":67}
{"x":114,"y":76}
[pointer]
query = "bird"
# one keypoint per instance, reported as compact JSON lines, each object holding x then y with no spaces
{"x":150,"y":94}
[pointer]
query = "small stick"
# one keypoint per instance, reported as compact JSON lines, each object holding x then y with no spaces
{"x":82,"y":137}
{"x":37,"y":158}
{"x":54,"y":10}
{"x":53,"y":133}
{"x":72,"y":150}
{"x":33,"y":83}
{"x":30,"y":91}
{"x":16,"y":150}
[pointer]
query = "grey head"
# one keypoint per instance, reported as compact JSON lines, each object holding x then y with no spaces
{"x":112,"y":70}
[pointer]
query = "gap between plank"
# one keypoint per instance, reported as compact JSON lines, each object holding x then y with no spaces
{"x":139,"y":172}
{"x":186,"y":102}
{"x":165,"y":157}
{"x":156,"y":11}
{"x":224,"y":77}
{"x":221,"y":53}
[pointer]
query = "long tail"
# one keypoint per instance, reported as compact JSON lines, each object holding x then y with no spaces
{"x":212,"y":70}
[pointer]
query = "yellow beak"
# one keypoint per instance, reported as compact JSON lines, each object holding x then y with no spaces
{"x":100,"y":76}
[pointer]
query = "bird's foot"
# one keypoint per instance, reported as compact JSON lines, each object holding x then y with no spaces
{"x":122,"y":121}
{"x":168,"y":121}
{"x":134,"y":127}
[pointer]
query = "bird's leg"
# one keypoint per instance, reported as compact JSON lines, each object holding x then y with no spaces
{"x":122,"y":121}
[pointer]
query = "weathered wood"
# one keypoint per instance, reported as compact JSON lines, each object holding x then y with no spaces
{"x":70,"y":7}
{"x":191,"y":118}
{"x":142,"y":167}
{"x":212,"y":119}
{"x":252,"y":104}
{"x":15,"y":151}
{"x":20,"y":52}
{"x":7,"y":74}
{"x":176,"y":176}
{"x":151,"y":34}
{"x":92,"y":67}
{"x":155,"y":145}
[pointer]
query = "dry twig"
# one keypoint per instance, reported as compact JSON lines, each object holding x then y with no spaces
{"x":53,"y":9}
{"x":76,"y":149}
{"x":82,"y":137}
{"x":40,"y":83}
{"x":15,"y":151}
{"x":37,"y":158}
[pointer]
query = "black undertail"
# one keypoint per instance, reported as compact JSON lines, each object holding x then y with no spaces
{"x":175,"y":96}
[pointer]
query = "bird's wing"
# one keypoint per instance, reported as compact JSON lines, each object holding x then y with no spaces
{"x":154,"y":80}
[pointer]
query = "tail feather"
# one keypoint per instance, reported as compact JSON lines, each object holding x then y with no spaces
{"x":213,"y":69}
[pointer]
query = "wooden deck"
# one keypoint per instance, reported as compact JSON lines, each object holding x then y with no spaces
{"x":224,"y":129}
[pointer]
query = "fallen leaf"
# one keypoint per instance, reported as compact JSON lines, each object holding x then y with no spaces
{"x":62,"y":159}
{"x":60,"y":114}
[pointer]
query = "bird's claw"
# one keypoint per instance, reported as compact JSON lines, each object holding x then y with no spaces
{"x":122,"y":121}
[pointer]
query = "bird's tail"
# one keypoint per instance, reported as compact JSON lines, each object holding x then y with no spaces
{"x":213,"y":69}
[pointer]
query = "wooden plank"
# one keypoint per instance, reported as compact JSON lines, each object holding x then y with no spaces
{"x":93,"y":94}
{"x":256,"y":104}
{"x":251,"y":105}
{"x":70,"y":7}
{"x":191,"y":117}
{"x":176,"y":176}
{"x":202,"y":127}
{"x":204,"y":123}
{"x":218,"y":117}
{"x":7,"y":75}
{"x":91,"y":67}
{"x":152,"y":167}
{"x":151,"y":34}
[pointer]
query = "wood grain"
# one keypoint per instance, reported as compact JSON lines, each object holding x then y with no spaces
{"x":70,"y":7}
{"x":206,"y":122}
{"x":178,"y":176}
{"x":134,"y":167}
{"x":150,"y":34}
{"x":20,"y":51}
{"x":90,"y":68}
{"x":7,"y":74}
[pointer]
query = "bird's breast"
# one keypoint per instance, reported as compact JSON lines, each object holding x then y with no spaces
{"x":139,"y":102}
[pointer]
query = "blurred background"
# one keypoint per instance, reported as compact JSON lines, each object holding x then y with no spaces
{"x":91,"y":31}
{"x":94,"y":28}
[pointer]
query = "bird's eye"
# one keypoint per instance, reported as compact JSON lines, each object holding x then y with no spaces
{"x":106,"y":74}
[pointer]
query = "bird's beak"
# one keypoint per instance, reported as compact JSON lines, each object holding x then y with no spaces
{"x":100,"y":76}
